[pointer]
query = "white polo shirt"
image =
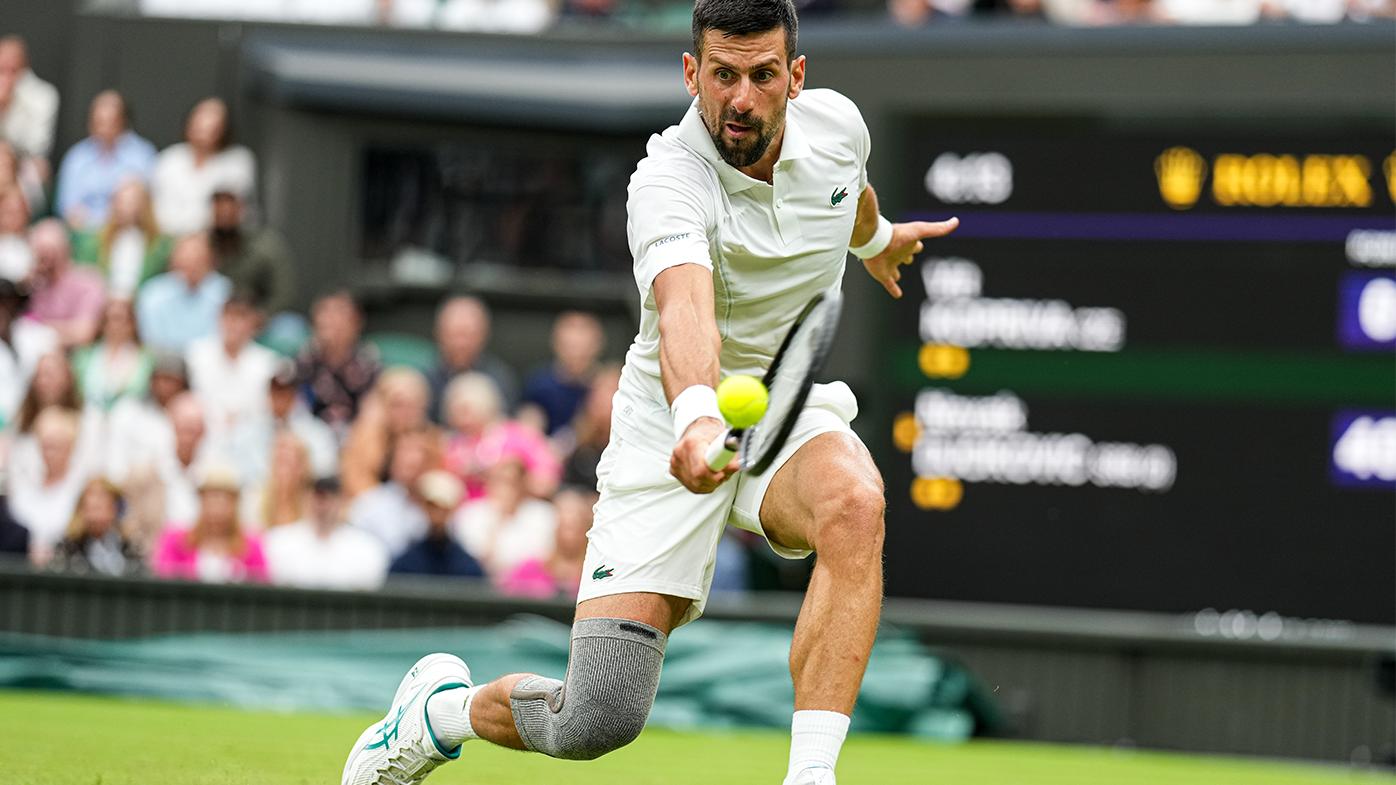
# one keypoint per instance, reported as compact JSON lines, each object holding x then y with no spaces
{"x":770,"y":246}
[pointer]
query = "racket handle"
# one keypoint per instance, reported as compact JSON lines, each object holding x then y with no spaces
{"x":722,"y":449}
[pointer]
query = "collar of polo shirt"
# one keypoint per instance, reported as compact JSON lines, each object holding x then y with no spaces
{"x":694,"y":134}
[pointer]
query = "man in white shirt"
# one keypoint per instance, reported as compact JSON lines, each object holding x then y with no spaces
{"x":737,"y":217}
{"x":229,"y":372}
{"x":393,"y":511}
{"x":323,"y":551}
{"x":28,"y":105}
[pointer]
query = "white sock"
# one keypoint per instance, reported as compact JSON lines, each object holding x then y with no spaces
{"x":449,"y":713}
{"x":815,"y":740}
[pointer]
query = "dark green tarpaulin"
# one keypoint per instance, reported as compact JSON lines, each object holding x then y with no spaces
{"x":715,"y":673}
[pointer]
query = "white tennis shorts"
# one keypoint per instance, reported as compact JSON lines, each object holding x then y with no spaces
{"x":650,"y":533}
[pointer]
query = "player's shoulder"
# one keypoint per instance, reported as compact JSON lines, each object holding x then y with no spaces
{"x":820,"y":109}
{"x":667,"y":157}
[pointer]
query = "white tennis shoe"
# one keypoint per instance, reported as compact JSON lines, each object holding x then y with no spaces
{"x":815,"y":776}
{"x":401,"y":749}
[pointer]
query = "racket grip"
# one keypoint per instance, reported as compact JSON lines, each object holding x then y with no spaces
{"x":721,"y":450}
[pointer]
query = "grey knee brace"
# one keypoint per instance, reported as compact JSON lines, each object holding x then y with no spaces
{"x":612,"y":676}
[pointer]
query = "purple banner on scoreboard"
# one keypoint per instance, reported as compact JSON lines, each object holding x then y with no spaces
{"x":1362,"y":450}
{"x":1367,"y":311}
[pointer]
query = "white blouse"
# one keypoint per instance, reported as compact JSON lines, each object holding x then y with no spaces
{"x":182,"y":192}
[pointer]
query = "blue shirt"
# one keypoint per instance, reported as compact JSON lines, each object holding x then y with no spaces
{"x":558,"y":397}
{"x":89,"y":174}
{"x":437,"y":557}
{"x":171,"y":315}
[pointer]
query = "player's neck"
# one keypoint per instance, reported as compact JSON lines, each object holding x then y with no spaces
{"x":765,"y":169}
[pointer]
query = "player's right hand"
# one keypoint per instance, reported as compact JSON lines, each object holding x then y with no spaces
{"x":689,"y":462}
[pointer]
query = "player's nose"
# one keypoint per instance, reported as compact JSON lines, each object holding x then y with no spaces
{"x":744,"y":99}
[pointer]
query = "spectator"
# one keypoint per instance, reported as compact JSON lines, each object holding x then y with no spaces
{"x":45,"y":506}
{"x":507,"y":527}
{"x":116,"y":366}
{"x":392,"y":511}
{"x":16,"y":257}
{"x":187,"y":173}
{"x":21,"y":173}
{"x":336,"y":369}
{"x":590,"y":432}
{"x":279,"y":497}
{"x":94,"y":541}
{"x":52,"y":386}
{"x":1114,"y":13}
{"x":14,"y":538}
{"x":560,"y":388}
{"x":129,"y":250}
{"x":180,"y":465}
{"x":69,"y":299}
{"x":396,"y":406}
{"x":215,"y":549}
{"x":323,"y":551}
{"x":462,"y":330}
{"x":438,"y":553}
{"x":22,"y":342}
{"x":139,"y":429}
{"x":28,"y":105}
{"x":1018,"y":10}
{"x":256,"y":260}
{"x":251,"y":443}
{"x":228,"y":371}
{"x":481,"y":437}
{"x":560,"y":573}
{"x":175,"y":308}
{"x":94,"y":167}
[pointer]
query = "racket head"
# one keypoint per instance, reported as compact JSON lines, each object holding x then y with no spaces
{"x":790,"y":378}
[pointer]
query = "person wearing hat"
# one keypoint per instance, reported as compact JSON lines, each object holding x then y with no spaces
{"x":323,"y":551}
{"x":438,"y":553}
{"x":257,"y":260}
{"x":215,"y":549}
{"x":250,"y":445}
{"x":22,"y":342}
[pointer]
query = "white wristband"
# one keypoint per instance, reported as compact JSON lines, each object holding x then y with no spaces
{"x":697,"y":401}
{"x":879,"y":242}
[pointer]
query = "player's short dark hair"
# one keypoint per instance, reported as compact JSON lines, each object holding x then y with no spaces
{"x":744,"y":17}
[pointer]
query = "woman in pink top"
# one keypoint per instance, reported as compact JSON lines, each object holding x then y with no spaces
{"x":481,"y":437}
{"x":215,"y":550}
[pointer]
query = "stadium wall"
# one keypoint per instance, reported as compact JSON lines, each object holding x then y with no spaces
{"x":1061,"y":675}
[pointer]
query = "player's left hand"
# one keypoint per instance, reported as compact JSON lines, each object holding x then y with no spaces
{"x":906,"y":243}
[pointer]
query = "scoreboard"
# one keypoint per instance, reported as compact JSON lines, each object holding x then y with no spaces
{"x":1154,"y":369}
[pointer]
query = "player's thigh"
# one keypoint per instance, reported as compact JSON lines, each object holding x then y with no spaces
{"x":661,"y":611}
{"x":828,"y":489}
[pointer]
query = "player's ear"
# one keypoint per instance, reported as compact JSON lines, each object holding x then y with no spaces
{"x":690,"y":73}
{"x":797,"y":76}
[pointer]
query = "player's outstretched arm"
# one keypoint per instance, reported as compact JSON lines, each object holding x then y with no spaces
{"x":689,"y":349}
{"x":903,"y":241}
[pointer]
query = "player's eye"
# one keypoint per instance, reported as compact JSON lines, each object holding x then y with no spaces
{"x":724,"y":74}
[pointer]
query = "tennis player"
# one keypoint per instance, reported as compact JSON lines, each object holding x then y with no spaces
{"x":738,"y":215}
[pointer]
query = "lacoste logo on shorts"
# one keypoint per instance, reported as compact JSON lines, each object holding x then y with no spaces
{"x":602,"y":573}
{"x":838,"y":196}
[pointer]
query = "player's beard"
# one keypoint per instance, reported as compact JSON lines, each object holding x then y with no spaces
{"x":747,"y":151}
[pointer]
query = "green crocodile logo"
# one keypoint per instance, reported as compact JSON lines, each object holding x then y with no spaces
{"x":838,"y":196}
{"x":602,"y":573}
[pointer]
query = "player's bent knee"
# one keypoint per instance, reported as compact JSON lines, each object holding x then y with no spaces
{"x":603,"y":705}
{"x":850,"y":521}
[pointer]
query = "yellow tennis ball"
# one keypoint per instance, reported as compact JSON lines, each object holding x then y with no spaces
{"x":742,"y":400}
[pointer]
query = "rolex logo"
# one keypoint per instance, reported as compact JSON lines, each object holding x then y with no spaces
{"x":1389,"y":166}
{"x":1180,"y":172}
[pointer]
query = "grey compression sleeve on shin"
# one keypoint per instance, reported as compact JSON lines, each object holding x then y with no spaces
{"x":612,"y":677}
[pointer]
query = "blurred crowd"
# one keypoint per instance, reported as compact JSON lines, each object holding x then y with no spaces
{"x":533,"y":16}
{"x":149,"y":428}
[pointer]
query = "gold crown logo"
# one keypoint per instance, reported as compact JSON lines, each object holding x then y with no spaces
{"x":1180,"y":172}
{"x":1389,"y":166}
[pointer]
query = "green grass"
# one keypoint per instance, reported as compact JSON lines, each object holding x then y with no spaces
{"x":61,"y":738}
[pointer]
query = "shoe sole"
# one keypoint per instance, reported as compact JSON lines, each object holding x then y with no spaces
{"x":420,"y":671}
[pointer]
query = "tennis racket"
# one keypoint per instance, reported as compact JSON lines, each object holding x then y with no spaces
{"x":788,"y":382}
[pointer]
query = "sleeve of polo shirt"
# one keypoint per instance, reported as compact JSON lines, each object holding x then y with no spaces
{"x":670,"y":211}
